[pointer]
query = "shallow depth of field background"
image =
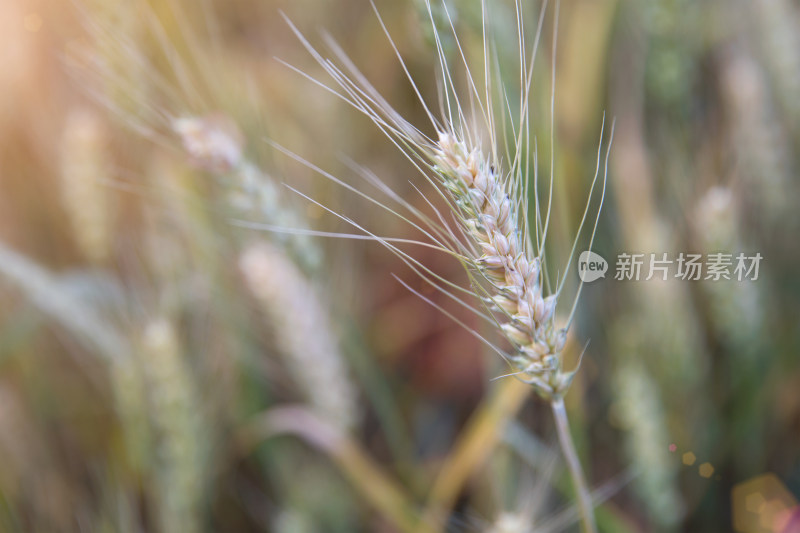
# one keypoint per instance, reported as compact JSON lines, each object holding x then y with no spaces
{"x":686,"y":410}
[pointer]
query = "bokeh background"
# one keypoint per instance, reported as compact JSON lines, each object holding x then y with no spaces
{"x":165,"y":366}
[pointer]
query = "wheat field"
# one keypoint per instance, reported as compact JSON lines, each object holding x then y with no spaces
{"x":324,"y":266}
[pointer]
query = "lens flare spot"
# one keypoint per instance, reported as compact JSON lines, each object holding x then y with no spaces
{"x":706,"y":470}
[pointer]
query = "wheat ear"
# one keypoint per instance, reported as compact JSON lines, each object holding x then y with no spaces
{"x":303,"y":332}
{"x":487,"y":195}
{"x":85,"y":165}
{"x":525,"y":316}
{"x":177,"y":418}
{"x":215,"y":144}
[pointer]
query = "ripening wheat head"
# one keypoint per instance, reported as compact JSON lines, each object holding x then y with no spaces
{"x":481,"y":157}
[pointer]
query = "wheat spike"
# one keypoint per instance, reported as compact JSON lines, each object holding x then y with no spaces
{"x":497,"y":237}
{"x":85,"y":165}
{"x":215,"y":144}
{"x":641,"y":412}
{"x":737,"y":307}
{"x":128,"y":387}
{"x":302,"y":330}
{"x":177,"y":420}
{"x":527,"y":317}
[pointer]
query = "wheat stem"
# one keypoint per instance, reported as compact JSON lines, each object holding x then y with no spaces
{"x":585,"y":507}
{"x":473,"y":447}
{"x":373,"y":483}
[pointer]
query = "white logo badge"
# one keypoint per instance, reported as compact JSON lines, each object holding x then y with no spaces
{"x":591,"y":266}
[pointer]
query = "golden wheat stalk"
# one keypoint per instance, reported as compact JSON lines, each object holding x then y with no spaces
{"x":485,"y":175}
